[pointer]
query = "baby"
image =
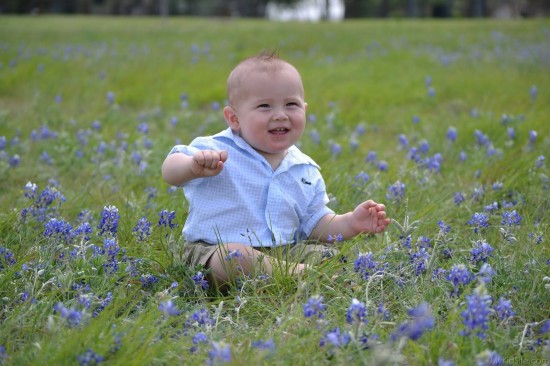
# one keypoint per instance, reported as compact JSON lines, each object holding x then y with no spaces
{"x":252,"y":193}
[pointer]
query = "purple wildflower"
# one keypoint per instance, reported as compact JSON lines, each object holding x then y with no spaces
{"x":504,"y":309}
{"x":166,"y":218}
{"x":72,"y":315}
{"x":366,"y":266}
{"x":396,"y":191}
{"x":202,"y":317}
{"x":268,"y":345}
{"x":58,"y":229}
{"x":489,"y":358}
{"x":452,"y":134}
{"x":314,"y":307}
{"x":142,"y":230}
{"x":200,"y":280}
{"x":89,"y":358}
{"x":356,"y":313}
{"x":479,"y":220}
{"x":336,"y":338}
{"x":168,"y":309}
{"x":458,"y":275}
{"x":481,"y":252}
{"x":220,"y":352}
{"x":109,"y":221}
{"x":476,"y":315}
{"x":511,"y":218}
{"x":421,"y":320}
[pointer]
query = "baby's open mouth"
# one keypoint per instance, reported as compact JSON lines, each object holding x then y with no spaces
{"x":279,"y":131}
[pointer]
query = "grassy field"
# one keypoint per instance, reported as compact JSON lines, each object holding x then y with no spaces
{"x":444,"y":122}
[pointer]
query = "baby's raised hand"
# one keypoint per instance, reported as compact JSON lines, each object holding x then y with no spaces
{"x":370,"y":217}
{"x":208,"y":163}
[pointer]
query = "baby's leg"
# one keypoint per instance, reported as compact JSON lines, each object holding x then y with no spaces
{"x":233,"y":259}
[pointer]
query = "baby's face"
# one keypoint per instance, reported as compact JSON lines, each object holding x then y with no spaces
{"x":270,"y":112}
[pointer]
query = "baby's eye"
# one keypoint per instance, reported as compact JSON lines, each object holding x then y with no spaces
{"x":263,"y":105}
{"x":292,"y":104}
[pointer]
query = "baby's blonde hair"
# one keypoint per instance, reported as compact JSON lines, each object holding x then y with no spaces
{"x":267,"y":62}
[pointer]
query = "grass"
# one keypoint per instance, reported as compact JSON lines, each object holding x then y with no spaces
{"x":367,"y":83}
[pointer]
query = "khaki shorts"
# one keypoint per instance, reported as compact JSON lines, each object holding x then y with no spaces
{"x":309,"y":251}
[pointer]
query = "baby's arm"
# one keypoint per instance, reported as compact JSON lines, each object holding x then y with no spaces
{"x":180,"y":168}
{"x":368,"y":217}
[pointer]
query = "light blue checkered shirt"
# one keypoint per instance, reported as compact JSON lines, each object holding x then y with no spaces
{"x":250,"y":203}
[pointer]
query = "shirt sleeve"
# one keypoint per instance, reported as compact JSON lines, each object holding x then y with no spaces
{"x":317,"y":208}
{"x":187,"y":150}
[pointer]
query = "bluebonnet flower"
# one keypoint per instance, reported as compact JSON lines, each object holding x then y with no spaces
{"x":58,"y":229}
{"x":109,"y":221}
{"x":491,"y":208}
{"x":45,"y":158}
{"x":143,"y":127}
{"x":315,"y":136}
{"x":420,"y":260}
{"x":444,"y":229}
{"x":452,"y":134}
{"x":14,"y":161}
{"x":428,"y":80}
{"x":481,"y":252}
{"x":168,"y":308}
{"x":3,"y":142}
{"x":3,"y":355}
{"x":371,"y":157}
{"x":545,"y":327}
{"x":166,"y":219}
{"x":511,"y":218}
{"x":462,"y":156}
{"x":539,"y":163}
{"x":202,"y":317}
{"x":148,"y":280}
{"x":415,"y":119}
{"x":6,"y":258}
{"x":532,"y":136}
{"x":431,"y":91}
{"x":268,"y":345}
{"x":476,"y":315}
{"x":366,"y":266}
{"x":84,"y":229}
{"x":110,"y":97}
{"x":485,"y":273}
{"x":362,"y":177}
{"x":234,"y":254}
{"x":356,"y":313}
{"x":72,"y":315}
{"x":200,"y":337}
{"x":489,"y":358}
{"x":89,"y":358}
{"x":383,"y":166}
{"x":335,"y":149}
{"x":421,"y":320}
{"x":142,"y":230}
{"x":314,"y":307}
{"x":335,"y":238}
{"x":479,"y":220}
{"x":443,"y":362}
{"x":30,"y":190}
{"x":459,"y":275}
{"x":511,"y":133}
{"x":200,"y":280}
{"x":504,"y":309}
{"x":533,"y":92}
{"x":383,"y":311}
{"x":537,"y":238}
{"x":220,"y":352}
{"x":336,"y":338}
{"x":403,"y":140}
{"x":396,"y":191}
{"x":106,"y":301}
{"x":481,"y":138}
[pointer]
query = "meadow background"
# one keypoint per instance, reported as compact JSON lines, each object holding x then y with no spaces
{"x":444,"y":122}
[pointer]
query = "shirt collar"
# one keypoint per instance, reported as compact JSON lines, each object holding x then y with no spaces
{"x":293,"y":157}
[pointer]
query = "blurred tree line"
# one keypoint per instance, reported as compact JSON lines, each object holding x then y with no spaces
{"x":257,"y":8}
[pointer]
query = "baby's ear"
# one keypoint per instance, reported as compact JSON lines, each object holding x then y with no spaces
{"x":231,"y":118}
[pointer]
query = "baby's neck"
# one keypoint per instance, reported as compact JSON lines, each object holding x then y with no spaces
{"x":274,"y":159}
